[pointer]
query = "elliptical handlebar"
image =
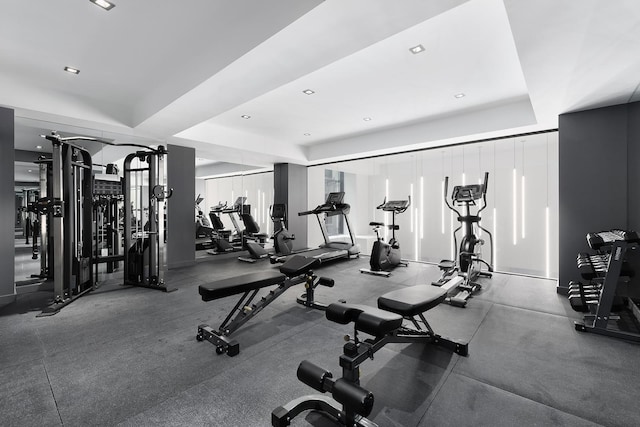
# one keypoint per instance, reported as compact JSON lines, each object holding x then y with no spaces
{"x":484,"y":192}
{"x":446,"y":190}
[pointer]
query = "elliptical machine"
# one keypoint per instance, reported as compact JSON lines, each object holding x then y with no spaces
{"x":386,"y":256}
{"x":469,"y":259}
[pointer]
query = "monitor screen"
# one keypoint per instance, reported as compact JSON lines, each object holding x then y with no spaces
{"x":335,"y":198}
{"x":278,"y":210}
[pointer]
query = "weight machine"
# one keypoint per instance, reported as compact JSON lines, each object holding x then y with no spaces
{"x":70,"y":206}
{"x":144,"y":225}
{"x":68,"y":211}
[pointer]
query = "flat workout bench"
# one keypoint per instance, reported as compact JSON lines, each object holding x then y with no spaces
{"x":296,"y":270}
{"x":350,"y":404}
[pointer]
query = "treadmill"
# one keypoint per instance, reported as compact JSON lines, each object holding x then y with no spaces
{"x":238,"y":209}
{"x":330,"y":250}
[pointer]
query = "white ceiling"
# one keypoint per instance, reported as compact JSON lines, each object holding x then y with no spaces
{"x":185,"y":72}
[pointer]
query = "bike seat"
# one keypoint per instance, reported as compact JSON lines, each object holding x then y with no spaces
{"x":376,"y":224}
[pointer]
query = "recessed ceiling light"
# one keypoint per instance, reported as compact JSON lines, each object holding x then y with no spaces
{"x":244,"y":116}
{"x":308,"y":92}
{"x":103,"y":4}
{"x":307,"y":134}
{"x":459,"y":95}
{"x":29,"y":170}
{"x":367,"y":119}
{"x":72,"y":70}
{"x":417,"y":49}
{"x":39,"y":147}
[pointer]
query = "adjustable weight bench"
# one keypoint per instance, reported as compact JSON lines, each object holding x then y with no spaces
{"x":296,"y":270}
{"x":350,"y":404}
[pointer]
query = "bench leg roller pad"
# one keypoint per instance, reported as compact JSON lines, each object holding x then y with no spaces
{"x":223,"y":344}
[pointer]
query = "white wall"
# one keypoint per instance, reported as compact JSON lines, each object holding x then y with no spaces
{"x":258,"y":188}
{"x":426,"y":227}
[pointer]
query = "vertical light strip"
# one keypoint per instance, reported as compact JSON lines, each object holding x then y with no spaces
{"x":258,"y":217}
{"x":495,"y":239}
{"x":269,"y":220}
{"x":547,"y":255}
{"x":442,"y":202}
{"x":232,"y":197}
{"x":421,"y":211}
{"x":453,"y":248}
{"x":522,"y":191}
{"x":515,"y":208}
{"x":411,"y":196}
{"x":386,"y":215}
{"x":464,"y":179}
{"x":416,"y":234}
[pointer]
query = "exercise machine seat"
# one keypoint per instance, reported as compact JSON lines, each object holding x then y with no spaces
{"x":367,"y":319}
{"x":412,"y":300}
{"x":216,"y":222}
{"x":235,"y":285}
{"x":251,"y":226}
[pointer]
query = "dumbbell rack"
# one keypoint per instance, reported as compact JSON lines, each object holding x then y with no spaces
{"x":606,"y":267}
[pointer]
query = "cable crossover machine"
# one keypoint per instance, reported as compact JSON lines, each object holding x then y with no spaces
{"x":67,"y":215}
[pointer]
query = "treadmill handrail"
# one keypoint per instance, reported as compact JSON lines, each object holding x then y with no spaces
{"x":342,"y":207}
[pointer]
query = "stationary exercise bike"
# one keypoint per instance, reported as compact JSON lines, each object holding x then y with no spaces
{"x":386,"y":256}
{"x":469,"y":259}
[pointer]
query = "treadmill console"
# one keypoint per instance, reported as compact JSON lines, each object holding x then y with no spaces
{"x":239,"y":202}
{"x":335,"y":198}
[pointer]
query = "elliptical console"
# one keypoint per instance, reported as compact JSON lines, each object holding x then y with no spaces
{"x":386,"y":256}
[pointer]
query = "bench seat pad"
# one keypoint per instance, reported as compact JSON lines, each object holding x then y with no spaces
{"x":239,"y":284}
{"x":298,"y":264}
{"x":412,"y":300}
{"x":367,"y":319}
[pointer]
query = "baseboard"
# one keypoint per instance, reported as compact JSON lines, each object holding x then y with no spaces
{"x":181,"y":264}
{"x":7,"y":299}
{"x":35,"y":287}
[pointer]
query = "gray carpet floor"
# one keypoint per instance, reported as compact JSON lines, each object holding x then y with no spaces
{"x":128,"y":356}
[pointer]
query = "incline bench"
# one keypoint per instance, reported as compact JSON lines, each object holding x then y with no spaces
{"x":385,"y":324}
{"x":296,"y":270}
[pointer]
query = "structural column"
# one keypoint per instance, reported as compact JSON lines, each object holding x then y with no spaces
{"x":290,"y":187}
{"x":592,"y":180}
{"x":7,"y":207}
{"x":181,"y":172}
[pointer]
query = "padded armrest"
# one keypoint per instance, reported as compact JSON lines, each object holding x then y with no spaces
{"x":239,"y":284}
{"x":367,"y":319}
{"x":342,"y":313}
